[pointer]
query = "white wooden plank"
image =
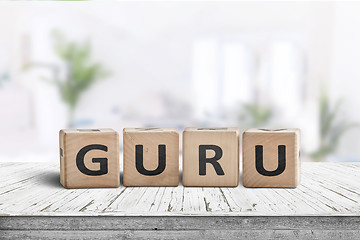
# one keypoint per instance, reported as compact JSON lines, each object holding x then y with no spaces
{"x":21,"y":175}
{"x":193,"y":200}
{"x":172,"y":200}
{"x":327,"y":189}
{"x":215,"y":200}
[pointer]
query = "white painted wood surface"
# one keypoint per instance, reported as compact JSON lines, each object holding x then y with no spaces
{"x":326,"y":189}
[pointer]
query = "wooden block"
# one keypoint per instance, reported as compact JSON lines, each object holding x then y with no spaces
{"x":211,"y":157}
{"x":89,"y":158}
{"x":151,"y":157}
{"x":271,"y":158}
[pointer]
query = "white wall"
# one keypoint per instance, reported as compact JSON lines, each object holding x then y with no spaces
{"x":345,"y":69}
{"x":148,"y":47}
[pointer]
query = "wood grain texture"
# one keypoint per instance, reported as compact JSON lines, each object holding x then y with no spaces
{"x":326,"y":189}
{"x":150,"y":139}
{"x":71,"y":141}
{"x":186,"y":234}
{"x":326,"y":205}
{"x":270,"y":141}
{"x":228,"y":141}
{"x":88,"y":223}
{"x":181,"y":227}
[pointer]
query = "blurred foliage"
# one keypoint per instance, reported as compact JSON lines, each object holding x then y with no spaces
{"x":3,"y":78}
{"x":81,"y":71}
{"x":255,"y":114}
{"x":332,"y":127}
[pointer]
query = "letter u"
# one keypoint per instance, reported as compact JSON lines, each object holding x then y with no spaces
{"x":139,"y":161}
{"x":260,"y":162}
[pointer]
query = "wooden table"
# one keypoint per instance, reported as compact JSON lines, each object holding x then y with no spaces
{"x":325,"y":206}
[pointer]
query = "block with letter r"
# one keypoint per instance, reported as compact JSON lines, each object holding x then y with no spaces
{"x":89,"y":158}
{"x":211,"y":157}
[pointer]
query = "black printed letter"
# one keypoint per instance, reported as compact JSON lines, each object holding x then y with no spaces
{"x":260,"y":162}
{"x":203,"y":160}
{"x":139,"y":161}
{"x":103,"y":161}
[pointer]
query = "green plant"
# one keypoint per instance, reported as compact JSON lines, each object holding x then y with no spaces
{"x":332,"y":127}
{"x":81,"y":71}
{"x":255,"y":114}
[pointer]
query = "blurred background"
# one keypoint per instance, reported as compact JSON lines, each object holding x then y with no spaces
{"x":177,"y":64}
